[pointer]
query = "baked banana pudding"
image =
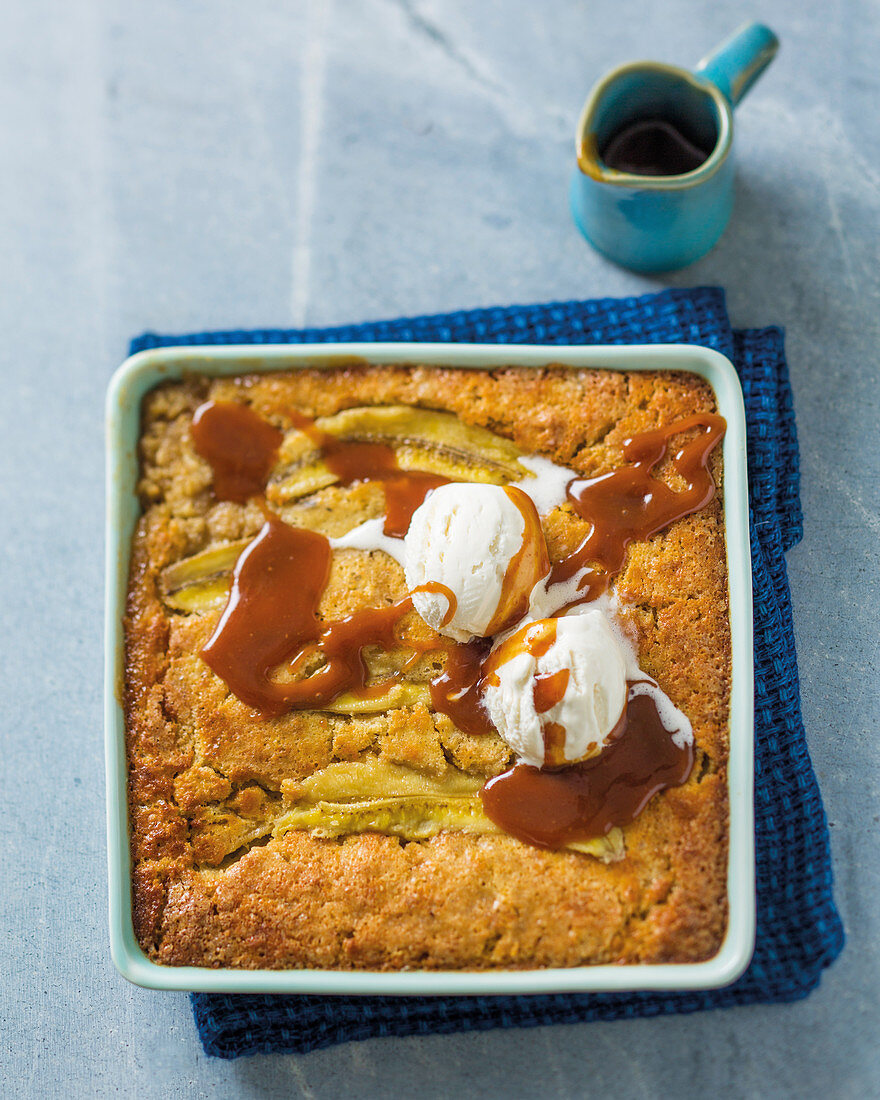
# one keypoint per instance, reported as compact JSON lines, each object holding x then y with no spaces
{"x":429,"y":668}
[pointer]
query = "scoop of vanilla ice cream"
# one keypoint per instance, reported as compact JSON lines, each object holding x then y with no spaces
{"x":476,"y":543}
{"x":594,"y":692}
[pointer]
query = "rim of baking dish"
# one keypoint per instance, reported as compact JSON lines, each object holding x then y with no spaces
{"x":140,"y":373}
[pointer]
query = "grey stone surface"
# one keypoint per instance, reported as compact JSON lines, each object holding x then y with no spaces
{"x":184,"y":164}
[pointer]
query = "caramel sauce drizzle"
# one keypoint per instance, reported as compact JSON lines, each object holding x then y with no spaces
{"x":440,"y":589}
{"x":262,"y":627}
{"x":239,"y":446}
{"x":549,"y":689}
{"x":265,"y":625}
{"x":271,"y":617}
{"x":527,"y":566}
{"x":352,"y":461}
{"x":552,"y":808}
{"x":458,"y":690}
{"x":628,"y":504}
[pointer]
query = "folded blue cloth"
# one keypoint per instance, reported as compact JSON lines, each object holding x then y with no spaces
{"x":799,"y":931}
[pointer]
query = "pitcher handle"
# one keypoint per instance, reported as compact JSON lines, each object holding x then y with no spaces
{"x":736,"y":64}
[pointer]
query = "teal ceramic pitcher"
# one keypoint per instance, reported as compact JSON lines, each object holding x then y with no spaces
{"x":653,"y":188}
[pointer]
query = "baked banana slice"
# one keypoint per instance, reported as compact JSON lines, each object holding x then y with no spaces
{"x":374,"y":796}
{"x":422,"y":439}
{"x":201,"y":582}
{"x":396,"y":696}
{"x":419,"y":817}
{"x":372,"y":777}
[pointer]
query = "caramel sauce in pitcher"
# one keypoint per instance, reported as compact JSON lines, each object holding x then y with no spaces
{"x":653,"y":147}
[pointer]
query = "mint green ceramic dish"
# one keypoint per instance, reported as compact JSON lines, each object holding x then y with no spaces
{"x":142,"y":372}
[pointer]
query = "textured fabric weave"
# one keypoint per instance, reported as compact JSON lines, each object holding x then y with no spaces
{"x":799,"y":931}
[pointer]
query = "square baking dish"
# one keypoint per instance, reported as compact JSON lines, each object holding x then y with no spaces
{"x":141,"y":373}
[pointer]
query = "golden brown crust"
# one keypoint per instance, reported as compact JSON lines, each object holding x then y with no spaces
{"x":208,"y":779}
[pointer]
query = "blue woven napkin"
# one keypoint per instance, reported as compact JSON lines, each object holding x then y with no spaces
{"x":799,"y":931}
